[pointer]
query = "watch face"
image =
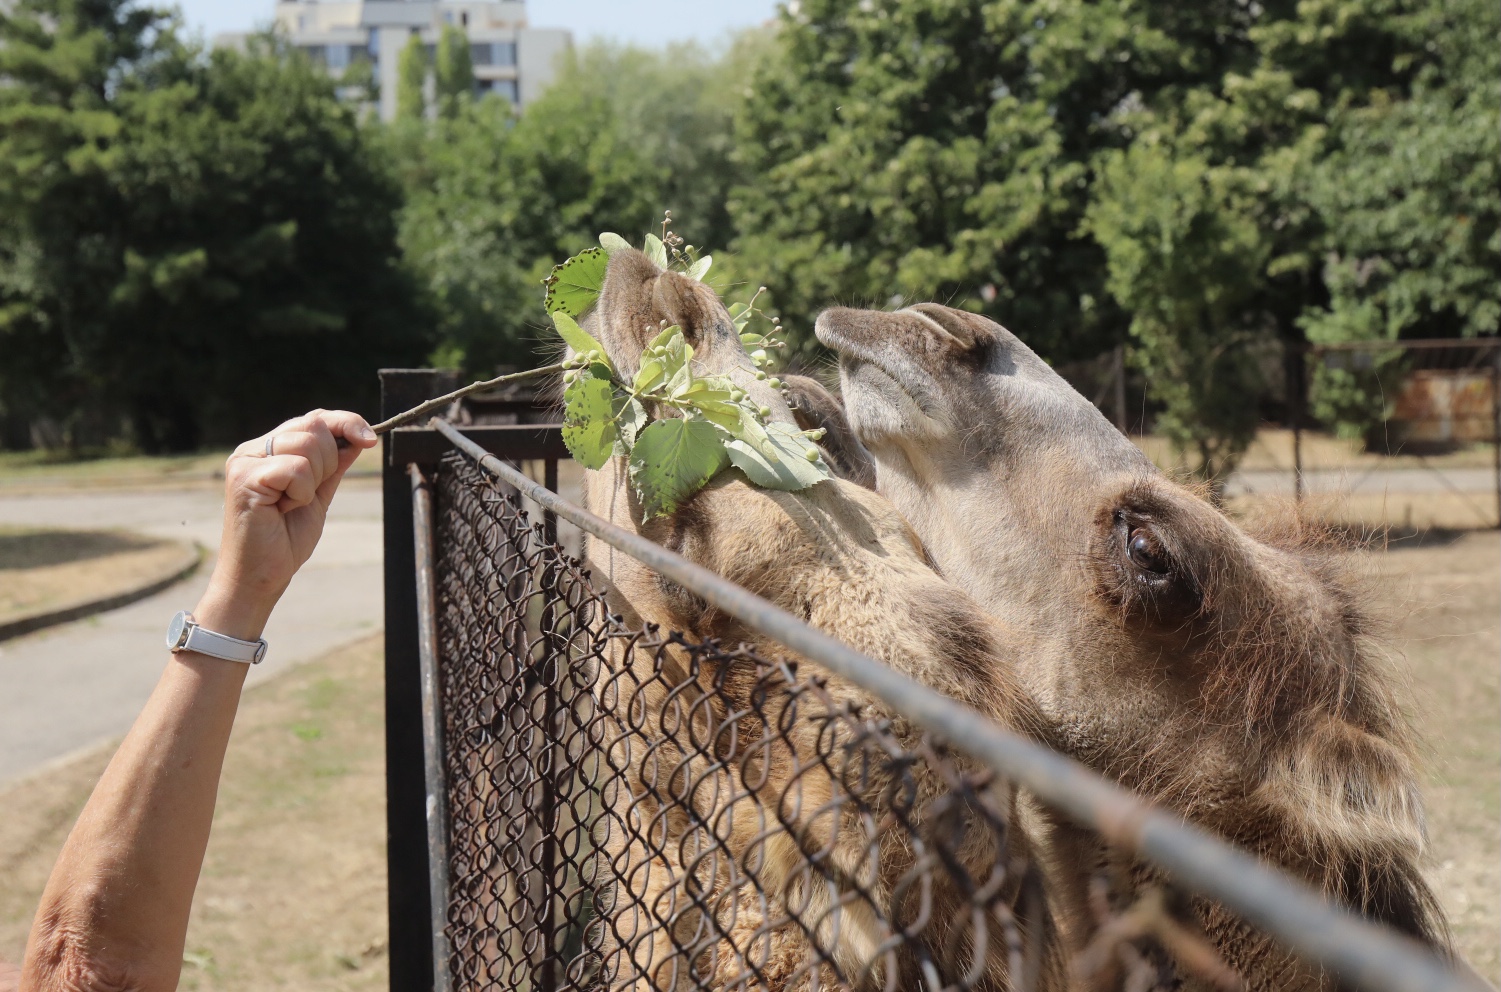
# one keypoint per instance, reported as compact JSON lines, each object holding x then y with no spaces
{"x":175,"y":630}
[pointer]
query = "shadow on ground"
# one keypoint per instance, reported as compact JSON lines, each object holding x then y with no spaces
{"x":39,"y":549}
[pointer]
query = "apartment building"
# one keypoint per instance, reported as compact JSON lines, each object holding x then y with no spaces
{"x":510,"y":57}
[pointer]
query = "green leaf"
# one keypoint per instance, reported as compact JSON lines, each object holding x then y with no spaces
{"x":580,"y":340}
{"x":589,"y":420}
{"x":612,"y":243}
{"x":659,"y":368}
{"x":682,"y":377}
{"x":700,"y":268}
{"x":672,"y":460}
{"x":573,"y":287}
{"x":630,"y":417}
{"x":740,"y":314}
{"x":789,"y":470}
{"x":656,"y":251}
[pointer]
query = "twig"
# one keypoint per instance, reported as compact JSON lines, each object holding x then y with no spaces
{"x":423,"y":409}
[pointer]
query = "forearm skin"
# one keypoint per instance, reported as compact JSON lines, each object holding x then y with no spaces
{"x":114,"y":914}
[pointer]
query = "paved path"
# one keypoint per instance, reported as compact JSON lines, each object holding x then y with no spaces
{"x":73,"y":686}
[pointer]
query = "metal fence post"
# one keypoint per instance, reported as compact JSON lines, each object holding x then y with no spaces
{"x":408,"y":906}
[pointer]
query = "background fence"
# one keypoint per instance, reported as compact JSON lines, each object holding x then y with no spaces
{"x":575,"y":803}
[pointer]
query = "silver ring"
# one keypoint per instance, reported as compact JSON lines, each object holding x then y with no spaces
{"x":271,"y":446}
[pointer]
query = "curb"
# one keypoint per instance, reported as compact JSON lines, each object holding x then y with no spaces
{"x":77,"y":611}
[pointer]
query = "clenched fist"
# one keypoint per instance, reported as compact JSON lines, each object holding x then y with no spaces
{"x":277,"y":490}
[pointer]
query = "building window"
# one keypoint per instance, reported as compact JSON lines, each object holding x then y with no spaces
{"x":507,"y":88}
{"x":499,"y":53}
{"x":337,"y":56}
{"x":317,"y":54}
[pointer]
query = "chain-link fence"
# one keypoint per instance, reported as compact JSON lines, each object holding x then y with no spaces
{"x":630,"y":808}
{"x":608,"y":807}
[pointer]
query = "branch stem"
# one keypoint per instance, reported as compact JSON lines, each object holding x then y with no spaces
{"x":421,"y":410}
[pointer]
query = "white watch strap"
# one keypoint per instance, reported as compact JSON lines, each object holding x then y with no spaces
{"x":201,"y":641}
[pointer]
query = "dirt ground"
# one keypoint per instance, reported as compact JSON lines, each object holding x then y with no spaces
{"x":1445,"y":599}
{"x":46,"y":569}
{"x":293,"y":890}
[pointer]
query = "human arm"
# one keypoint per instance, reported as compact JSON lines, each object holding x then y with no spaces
{"x":114,"y":914}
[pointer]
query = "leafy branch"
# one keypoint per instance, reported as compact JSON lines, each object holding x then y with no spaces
{"x":437,"y":403}
{"x":709,"y":423}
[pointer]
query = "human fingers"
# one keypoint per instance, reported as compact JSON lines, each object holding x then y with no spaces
{"x":346,"y":427}
{"x":316,"y":445}
{"x":283,"y":481}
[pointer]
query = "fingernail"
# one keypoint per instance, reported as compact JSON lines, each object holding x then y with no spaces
{"x":367,"y":434}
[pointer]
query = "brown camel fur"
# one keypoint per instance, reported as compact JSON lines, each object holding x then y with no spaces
{"x":840,"y":557}
{"x":1228,"y":675}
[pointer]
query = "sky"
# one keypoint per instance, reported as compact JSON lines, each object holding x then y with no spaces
{"x":644,"y":22}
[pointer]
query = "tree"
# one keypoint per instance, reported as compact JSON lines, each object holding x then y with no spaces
{"x":411,"y":80}
{"x":958,"y":151}
{"x":195,"y":245}
{"x":454,"y":72}
{"x":1184,"y":257}
{"x":496,"y":199}
{"x":1408,"y":195}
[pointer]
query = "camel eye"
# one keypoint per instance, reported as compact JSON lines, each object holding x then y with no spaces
{"x":1146,"y":551}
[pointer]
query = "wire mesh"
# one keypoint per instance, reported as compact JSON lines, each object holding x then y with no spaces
{"x":634,"y":809}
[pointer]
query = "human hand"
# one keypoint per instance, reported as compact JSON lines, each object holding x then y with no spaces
{"x":276,"y":499}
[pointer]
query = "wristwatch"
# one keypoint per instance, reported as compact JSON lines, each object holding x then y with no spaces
{"x":184,"y":634}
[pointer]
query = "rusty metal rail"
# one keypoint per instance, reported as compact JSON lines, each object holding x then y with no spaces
{"x":1361,"y":953}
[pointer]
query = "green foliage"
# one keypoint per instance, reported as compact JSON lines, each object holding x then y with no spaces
{"x":493,"y":197}
{"x":411,"y":80}
{"x":673,"y":459}
{"x":705,"y":424}
{"x":972,"y":152}
{"x":1184,"y":257}
{"x":1408,"y":193}
{"x":574,"y":285}
{"x":453,"y":74}
{"x":191,"y":244}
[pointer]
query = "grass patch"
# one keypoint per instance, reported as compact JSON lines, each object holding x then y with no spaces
{"x":293,"y":889}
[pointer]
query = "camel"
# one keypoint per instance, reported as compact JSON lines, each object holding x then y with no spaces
{"x":779,"y":866}
{"x":1228,"y":674}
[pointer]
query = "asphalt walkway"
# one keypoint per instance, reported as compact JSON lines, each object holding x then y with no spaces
{"x":69,"y":688}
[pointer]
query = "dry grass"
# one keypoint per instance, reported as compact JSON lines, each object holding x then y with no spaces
{"x":1445,"y":598}
{"x":293,"y":889}
{"x":293,"y":893}
{"x":47,"y":569}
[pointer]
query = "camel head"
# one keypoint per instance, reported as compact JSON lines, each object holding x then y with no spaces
{"x":811,"y":552}
{"x":1225,"y":673}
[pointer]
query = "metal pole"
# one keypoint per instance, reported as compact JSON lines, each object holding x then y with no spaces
{"x":1298,"y":371}
{"x":550,"y":480}
{"x":1496,"y":428}
{"x":432,"y":728}
{"x":1366,"y":954}
{"x":408,"y":913}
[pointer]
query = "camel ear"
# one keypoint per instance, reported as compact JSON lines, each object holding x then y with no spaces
{"x":815,"y":407}
{"x":959,"y":327}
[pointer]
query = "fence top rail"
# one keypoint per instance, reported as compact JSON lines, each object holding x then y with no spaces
{"x":1368,"y":955}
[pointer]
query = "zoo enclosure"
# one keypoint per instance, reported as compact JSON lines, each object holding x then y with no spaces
{"x":562,"y":788}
